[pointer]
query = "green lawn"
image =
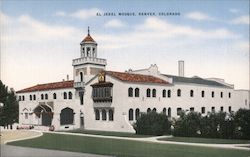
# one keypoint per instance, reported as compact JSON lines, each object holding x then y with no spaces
{"x":124,"y":148}
{"x":205,"y":140}
{"x":108,"y":133}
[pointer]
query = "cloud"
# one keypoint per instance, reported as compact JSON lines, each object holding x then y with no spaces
{"x":199,"y":16}
{"x":115,"y":24}
{"x":241,"y":20}
{"x":82,"y":14}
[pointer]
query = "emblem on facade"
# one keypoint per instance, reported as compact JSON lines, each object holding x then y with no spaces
{"x":101,"y":77}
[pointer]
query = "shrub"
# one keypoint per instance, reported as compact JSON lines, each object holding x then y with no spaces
{"x":188,"y":125}
{"x":152,"y":123}
{"x":242,"y":120}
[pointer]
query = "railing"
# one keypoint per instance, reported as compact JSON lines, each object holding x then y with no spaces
{"x":79,"y":85}
{"x":89,"y":60}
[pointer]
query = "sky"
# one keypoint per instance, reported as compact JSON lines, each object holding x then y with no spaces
{"x":39,"y":38}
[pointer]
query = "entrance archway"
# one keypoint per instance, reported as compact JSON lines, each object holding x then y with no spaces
{"x":44,"y":112}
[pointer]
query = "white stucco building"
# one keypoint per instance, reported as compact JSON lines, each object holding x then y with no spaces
{"x":98,"y":99}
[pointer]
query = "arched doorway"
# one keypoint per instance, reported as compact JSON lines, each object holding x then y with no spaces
{"x":67,"y":116}
{"x":44,"y":112}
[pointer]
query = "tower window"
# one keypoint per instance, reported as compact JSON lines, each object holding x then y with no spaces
{"x":81,"y":77}
{"x":229,"y":95}
{"x":221,"y":94}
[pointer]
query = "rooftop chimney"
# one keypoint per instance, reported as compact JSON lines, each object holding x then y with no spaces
{"x":181,"y":68}
{"x":67,"y":77}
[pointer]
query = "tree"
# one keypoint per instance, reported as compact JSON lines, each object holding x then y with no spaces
{"x":9,"y":110}
{"x":152,"y":123}
{"x":242,"y":119}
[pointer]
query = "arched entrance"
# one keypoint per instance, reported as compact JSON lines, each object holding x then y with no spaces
{"x":67,"y":116}
{"x":44,"y":112}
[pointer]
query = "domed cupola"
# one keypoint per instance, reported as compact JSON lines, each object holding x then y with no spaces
{"x":88,"y":46}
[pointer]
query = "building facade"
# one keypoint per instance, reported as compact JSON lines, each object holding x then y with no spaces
{"x":98,"y":99}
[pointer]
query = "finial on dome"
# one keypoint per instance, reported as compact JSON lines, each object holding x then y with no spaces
{"x":88,"y":30}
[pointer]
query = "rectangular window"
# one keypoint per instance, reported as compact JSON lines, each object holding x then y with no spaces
{"x":179,"y":110}
{"x":229,"y":109}
{"x":192,"y":109}
{"x":203,"y":110}
{"x":213,"y":109}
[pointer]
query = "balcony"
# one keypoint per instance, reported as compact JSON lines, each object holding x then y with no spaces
{"x":79,"y":85}
{"x":85,"y":60}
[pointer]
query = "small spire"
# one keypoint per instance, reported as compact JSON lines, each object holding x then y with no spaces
{"x":88,"y":30}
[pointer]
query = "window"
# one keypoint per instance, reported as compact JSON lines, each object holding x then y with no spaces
{"x":34,"y":97}
{"x":164,"y":93}
{"x":221,"y":94}
{"x":229,"y":95}
{"x":64,"y":95}
{"x":20,"y":98}
{"x":178,"y":92}
{"x":203,"y":110}
{"x":137,"y":113}
{"x":26,"y":115}
{"x":191,"y":109}
{"x":229,"y":109}
{"x":111,"y":115}
{"x":81,"y":98}
{"x":191,"y":93}
{"x":103,"y":93}
{"x":154,"y":93}
{"x":137,"y":92}
{"x":30,"y":97}
{"x":130,"y":92}
{"x":70,"y":95}
{"x":81,"y":77}
{"x":202,"y":94}
{"x":42,"y":96}
{"x":221,"y":108}
{"x":246,"y":102}
{"x":54,"y":96}
{"x":148,"y":110}
{"x":23,"y":98}
{"x":46,"y":96}
{"x":212,"y":94}
{"x":130,"y":114}
{"x":179,"y":110}
{"x":169,"y":112}
{"x":164,"y":111}
{"x":154,"y":110}
{"x":97,"y":114}
{"x":148,"y":92}
{"x":213,"y":109}
{"x":104,"y":114}
{"x":67,"y":116}
{"x":169,"y":93}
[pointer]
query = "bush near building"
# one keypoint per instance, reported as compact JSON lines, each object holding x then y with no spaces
{"x":214,"y":125}
{"x":152,"y":123}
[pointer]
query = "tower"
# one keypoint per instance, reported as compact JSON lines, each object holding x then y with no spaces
{"x":88,"y":65}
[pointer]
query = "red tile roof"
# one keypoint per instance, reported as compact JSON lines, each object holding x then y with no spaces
{"x":124,"y":76}
{"x":88,"y":38}
{"x":48,"y":86}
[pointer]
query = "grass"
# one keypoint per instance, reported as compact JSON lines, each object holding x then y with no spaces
{"x":205,"y":140}
{"x":108,"y":133}
{"x":124,"y":148}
